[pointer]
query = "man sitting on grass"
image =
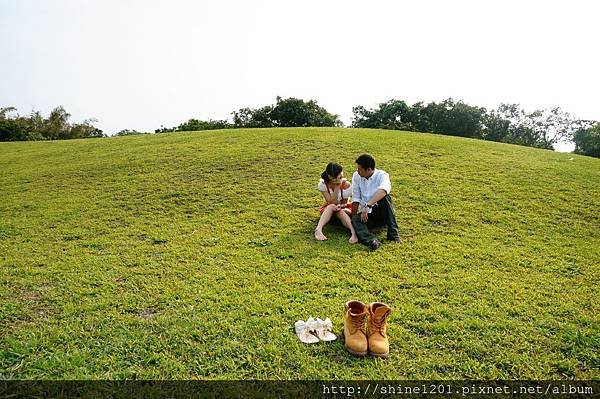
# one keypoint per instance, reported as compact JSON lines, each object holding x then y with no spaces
{"x":371,"y":202}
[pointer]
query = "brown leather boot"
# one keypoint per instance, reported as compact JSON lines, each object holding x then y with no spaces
{"x":355,"y":336}
{"x":378,"y":339}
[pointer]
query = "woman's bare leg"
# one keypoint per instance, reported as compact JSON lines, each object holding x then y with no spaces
{"x":325,"y":218}
{"x":344,"y":217}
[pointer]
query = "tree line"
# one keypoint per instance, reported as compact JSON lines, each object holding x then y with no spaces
{"x":14,"y":127}
{"x":509,"y":123}
{"x":289,"y":112}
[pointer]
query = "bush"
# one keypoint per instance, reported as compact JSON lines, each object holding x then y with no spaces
{"x":587,"y":141}
{"x":127,"y":132}
{"x":193,"y":125}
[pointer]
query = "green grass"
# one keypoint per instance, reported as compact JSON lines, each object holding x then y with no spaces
{"x":191,"y":255}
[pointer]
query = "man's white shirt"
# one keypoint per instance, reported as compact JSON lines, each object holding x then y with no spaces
{"x":363,"y":189}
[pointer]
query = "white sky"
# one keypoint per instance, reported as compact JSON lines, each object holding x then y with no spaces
{"x":137,"y":64}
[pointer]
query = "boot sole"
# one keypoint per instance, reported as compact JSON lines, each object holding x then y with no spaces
{"x":361,"y":354}
{"x":381,"y":355}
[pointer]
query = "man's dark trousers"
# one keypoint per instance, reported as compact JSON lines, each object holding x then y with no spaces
{"x":382,"y":214}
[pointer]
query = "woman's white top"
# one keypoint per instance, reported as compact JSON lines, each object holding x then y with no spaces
{"x":346,"y":193}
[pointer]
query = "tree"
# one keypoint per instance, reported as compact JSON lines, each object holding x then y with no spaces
{"x":195,"y":125}
{"x":453,"y":118}
{"x":587,"y":141}
{"x":540,"y":128}
{"x":85,"y":130}
{"x":448,"y":117}
{"x":36,"y":127}
{"x":14,"y":129}
{"x":394,"y":115}
{"x":294,"y":112}
{"x":56,"y":126}
{"x":289,"y":112}
{"x":6,"y":111}
{"x":509,"y":123}
{"x":249,"y":118}
{"x":552,"y":126}
{"x":163,"y":129}
{"x":496,"y":126}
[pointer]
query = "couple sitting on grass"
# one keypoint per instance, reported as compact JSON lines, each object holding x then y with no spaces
{"x":371,"y":204}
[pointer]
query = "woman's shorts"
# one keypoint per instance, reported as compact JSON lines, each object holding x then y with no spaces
{"x":346,"y":206}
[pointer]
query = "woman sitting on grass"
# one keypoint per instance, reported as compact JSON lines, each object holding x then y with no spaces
{"x":336,"y":191}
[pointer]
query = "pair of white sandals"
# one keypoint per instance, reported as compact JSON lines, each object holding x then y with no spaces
{"x":314,"y":330}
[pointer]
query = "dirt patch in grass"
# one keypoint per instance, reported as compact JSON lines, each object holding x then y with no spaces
{"x":148,"y":313}
{"x":30,"y":308}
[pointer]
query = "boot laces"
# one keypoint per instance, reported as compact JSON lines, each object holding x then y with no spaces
{"x":379,"y":323}
{"x":358,"y":323}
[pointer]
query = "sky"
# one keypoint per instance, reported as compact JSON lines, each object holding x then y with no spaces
{"x":140,"y":64}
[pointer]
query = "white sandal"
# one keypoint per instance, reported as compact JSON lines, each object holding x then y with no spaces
{"x":323,"y":330}
{"x":303,"y":331}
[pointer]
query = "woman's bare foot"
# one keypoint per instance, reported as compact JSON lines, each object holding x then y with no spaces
{"x":319,"y":235}
{"x":353,"y":240}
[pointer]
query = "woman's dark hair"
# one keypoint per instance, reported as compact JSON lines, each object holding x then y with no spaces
{"x":366,"y":161}
{"x":332,"y":169}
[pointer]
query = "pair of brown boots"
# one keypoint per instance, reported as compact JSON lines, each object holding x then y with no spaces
{"x":360,"y":339}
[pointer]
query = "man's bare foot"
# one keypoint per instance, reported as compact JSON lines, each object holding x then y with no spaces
{"x":353,"y":240}
{"x":319,"y":235}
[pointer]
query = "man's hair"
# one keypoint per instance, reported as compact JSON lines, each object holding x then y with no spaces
{"x":366,"y":161}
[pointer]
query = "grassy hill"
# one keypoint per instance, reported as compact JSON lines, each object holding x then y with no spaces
{"x":191,"y":255}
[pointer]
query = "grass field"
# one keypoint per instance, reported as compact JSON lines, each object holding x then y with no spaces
{"x":191,"y":255}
